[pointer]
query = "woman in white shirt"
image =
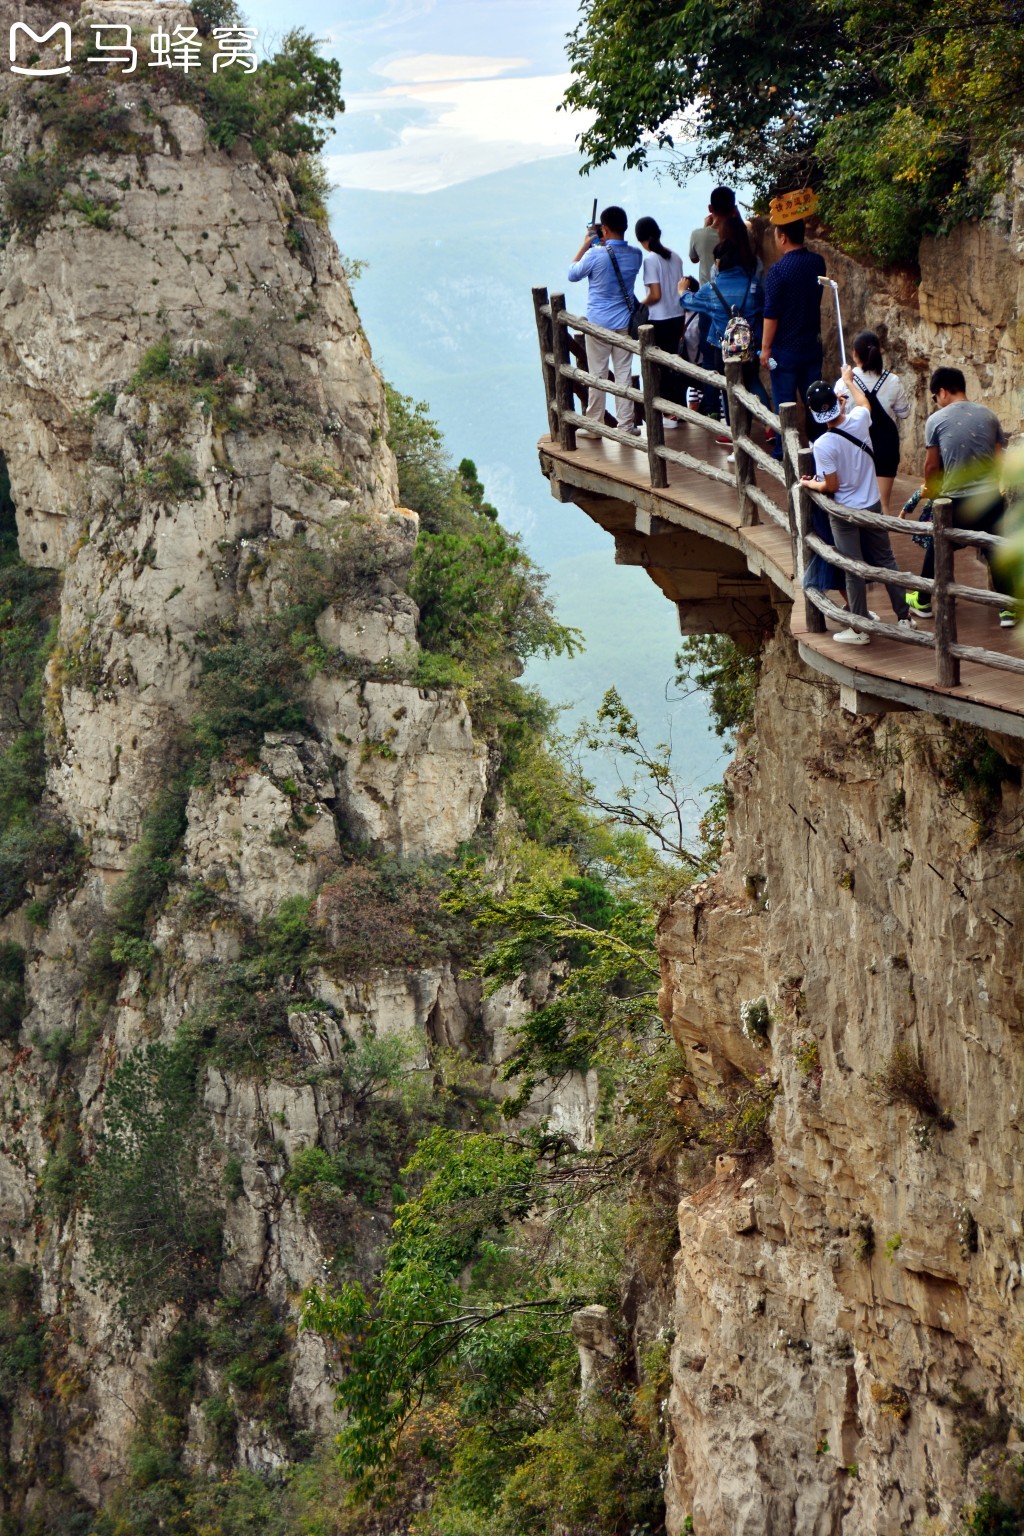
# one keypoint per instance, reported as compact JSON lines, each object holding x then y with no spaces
{"x":889,"y":406}
{"x":662,"y":271}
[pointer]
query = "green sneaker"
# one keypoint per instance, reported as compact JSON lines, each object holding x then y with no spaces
{"x":919,"y":605}
{"x":1007,"y":618}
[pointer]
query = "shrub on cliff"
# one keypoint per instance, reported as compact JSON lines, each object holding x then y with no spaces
{"x":482,"y":600}
{"x":285,"y":107}
{"x":33,"y":846}
{"x":152,"y":1227}
{"x":725,"y":673}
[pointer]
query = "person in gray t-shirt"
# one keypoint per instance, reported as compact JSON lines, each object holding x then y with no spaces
{"x":963,"y":441}
{"x":963,"y":444}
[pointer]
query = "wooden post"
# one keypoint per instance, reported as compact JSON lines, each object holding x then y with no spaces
{"x":650,"y":383}
{"x":740,"y":423}
{"x":813,"y":616}
{"x":578,"y":350}
{"x":789,"y":421}
{"x":563,"y":391}
{"x":947,"y":667}
{"x":544,"y":329}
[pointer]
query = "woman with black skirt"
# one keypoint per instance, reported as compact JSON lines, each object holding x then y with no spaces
{"x":889,"y":406}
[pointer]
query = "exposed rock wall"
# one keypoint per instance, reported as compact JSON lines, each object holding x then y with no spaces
{"x":966,"y":311}
{"x":178,"y":518}
{"x":847,"y":1302}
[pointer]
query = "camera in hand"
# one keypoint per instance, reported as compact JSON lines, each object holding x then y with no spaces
{"x":594,"y":228}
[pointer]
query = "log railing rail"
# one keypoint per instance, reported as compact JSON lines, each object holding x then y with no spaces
{"x":561,"y":332}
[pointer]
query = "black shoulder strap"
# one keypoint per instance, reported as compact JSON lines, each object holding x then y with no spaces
{"x":631,"y":299}
{"x":851,"y":439}
{"x":872,"y":394}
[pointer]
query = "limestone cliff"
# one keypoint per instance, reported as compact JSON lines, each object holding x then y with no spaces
{"x":194,"y":434}
{"x":846,"y":1314}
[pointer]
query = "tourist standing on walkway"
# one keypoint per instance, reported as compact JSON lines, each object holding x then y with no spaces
{"x":689,"y":347}
{"x":730,"y":290}
{"x":610,"y":267}
{"x":964,"y":442}
{"x":721,"y":209}
{"x":889,"y":406}
{"x":845,"y":470}
{"x":791,"y":347}
{"x":662,"y":273}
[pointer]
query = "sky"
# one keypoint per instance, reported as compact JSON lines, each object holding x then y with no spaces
{"x":439,"y":91}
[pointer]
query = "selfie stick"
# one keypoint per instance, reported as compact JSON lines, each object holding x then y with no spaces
{"x":830,"y":282}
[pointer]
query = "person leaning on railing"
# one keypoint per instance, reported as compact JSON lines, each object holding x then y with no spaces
{"x":964,"y":442}
{"x":846,"y":471}
{"x":731,"y":289}
{"x":610,"y":267}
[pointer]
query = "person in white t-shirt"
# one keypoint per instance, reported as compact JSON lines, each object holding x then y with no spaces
{"x":889,"y":406}
{"x":845,"y":470}
{"x":662,"y":272}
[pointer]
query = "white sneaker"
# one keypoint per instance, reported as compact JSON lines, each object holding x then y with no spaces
{"x":851,"y":637}
{"x":586,"y":432}
{"x":730,"y":458}
{"x":906,"y":623}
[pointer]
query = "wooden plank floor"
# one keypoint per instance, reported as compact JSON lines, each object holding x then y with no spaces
{"x":690,"y":496}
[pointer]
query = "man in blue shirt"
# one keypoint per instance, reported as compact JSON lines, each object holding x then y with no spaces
{"x":792,"y":320}
{"x":608,"y":305}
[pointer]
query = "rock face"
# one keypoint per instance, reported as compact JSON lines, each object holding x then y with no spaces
{"x":846,"y":1295}
{"x":412,"y":780}
{"x":194,"y":433}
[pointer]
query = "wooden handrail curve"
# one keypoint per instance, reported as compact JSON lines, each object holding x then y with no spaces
{"x":561,"y":334}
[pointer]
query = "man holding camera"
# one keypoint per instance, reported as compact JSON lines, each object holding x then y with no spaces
{"x":610,"y":267}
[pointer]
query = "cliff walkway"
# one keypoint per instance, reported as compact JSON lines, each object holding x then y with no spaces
{"x":728,"y":542}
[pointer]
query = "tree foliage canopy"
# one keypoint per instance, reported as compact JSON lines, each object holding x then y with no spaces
{"x":903,"y":115}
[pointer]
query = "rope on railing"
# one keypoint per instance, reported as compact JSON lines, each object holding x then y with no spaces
{"x":555,"y":328}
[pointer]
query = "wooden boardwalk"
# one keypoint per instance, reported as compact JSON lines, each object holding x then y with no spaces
{"x":612,"y":482}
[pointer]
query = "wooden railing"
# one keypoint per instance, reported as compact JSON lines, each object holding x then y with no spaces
{"x":562,"y":352}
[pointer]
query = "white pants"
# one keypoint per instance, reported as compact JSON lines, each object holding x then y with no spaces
{"x":599,"y":353}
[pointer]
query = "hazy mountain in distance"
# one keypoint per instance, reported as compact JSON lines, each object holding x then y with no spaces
{"x":446,"y":304}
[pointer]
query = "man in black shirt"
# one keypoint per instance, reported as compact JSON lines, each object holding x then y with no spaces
{"x":791,"y":347}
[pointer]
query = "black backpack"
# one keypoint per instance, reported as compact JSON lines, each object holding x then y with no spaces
{"x":885,"y":434}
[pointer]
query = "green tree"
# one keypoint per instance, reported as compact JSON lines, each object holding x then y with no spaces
{"x":906,"y":115}
{"x":288,"y":105}
{"x":649,"y":798}
{"x":152,"y":1227}
{"x":407,"y":1337}
{"x":727,"y":675}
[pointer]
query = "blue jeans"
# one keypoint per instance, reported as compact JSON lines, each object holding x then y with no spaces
{"x":790,"y":378}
